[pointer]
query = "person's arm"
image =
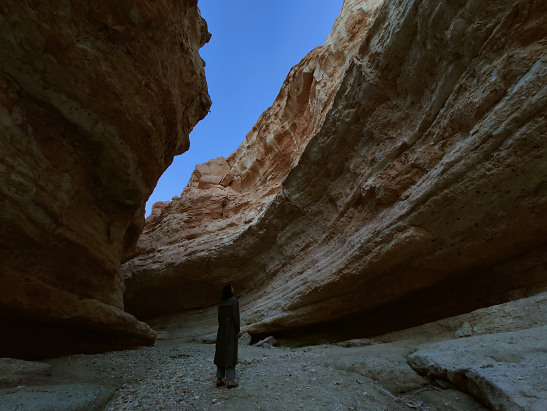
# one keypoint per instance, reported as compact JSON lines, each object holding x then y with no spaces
{"x":235,"y":313}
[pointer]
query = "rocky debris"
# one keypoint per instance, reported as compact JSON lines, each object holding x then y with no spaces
{"x":95,"y":100}
{"x":358,"y":342}
{"x":506,"y":371}
{"x":245,"y":339}
{"x":398,"y":178}
{"x":72,"y":397}
{"x":308,"y":378}
{"x":274,"y":379}
{"x":270,"y":341}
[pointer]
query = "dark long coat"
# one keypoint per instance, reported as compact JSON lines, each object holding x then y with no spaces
{"x":228,"y":327}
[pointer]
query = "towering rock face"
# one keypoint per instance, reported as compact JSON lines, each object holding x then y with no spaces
{"x":96,"y":98}
{"x":217,"y":213}
{"x":399,"y":177}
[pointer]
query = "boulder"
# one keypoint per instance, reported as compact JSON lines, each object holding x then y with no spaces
{"x":269,"y":341}
{"x":245,"y":339}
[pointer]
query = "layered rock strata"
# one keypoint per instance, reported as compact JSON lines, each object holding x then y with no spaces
{"x":399,"y":177}
{"x":96,"y":98}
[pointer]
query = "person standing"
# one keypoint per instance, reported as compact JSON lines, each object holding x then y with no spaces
{"x":227,"y":336}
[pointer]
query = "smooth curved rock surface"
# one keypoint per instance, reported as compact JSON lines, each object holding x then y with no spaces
{"x":399,"y":177}
{"x":69,"y":397}
{"x":505,"y":371}
{"x":96,"y":98}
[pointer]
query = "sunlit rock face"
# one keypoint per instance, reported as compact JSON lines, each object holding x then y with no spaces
{"x":96,"y":97}
{"x":399,"y":177}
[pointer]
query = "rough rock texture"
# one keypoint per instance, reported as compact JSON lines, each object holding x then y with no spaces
{"x":399,"y":177}
{"x":216,"y":215}
{"x":96,"y":98}
{"x":507,"y":371}
{"x":201,"y":326}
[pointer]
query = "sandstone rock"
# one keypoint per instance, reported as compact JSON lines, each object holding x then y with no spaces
{"x":245,"y":339}
{"x":505,"y":371}
{"x":398,"y":178}
{"x":158,"y":207}
{"x":95,"y":100}
{"x":209,"y":174}
{"x":269,"y":340}
{"x":223,"y":215}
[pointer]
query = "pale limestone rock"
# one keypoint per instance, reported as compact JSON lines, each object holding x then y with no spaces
{"x":399,"y":177}
{"x":245,"y":339}
{"x":95,"y":100}
{"x":268,"y":340}
{"x":505,"y":371}
{"x":63,"y":397}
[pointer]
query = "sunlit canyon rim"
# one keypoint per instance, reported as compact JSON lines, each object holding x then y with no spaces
{"x":399,"y":177}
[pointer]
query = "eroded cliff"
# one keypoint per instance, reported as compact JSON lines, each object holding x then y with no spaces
{"x":96,"y":98}
{"x":399,"y":177}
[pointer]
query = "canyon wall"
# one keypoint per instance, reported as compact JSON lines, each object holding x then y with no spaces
{"x":399,"y":177}
{"x":96,"y":98}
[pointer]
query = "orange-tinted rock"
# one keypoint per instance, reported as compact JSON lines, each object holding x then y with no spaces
{"x":399,"y":177}
{"x":96,"y":98}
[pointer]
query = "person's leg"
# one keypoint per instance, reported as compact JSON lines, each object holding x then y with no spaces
{"x":221,"y":372}
{"x":230,"y":375}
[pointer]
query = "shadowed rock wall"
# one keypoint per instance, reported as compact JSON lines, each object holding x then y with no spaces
{"x":399,"y":177}
{"x":96,"y":98}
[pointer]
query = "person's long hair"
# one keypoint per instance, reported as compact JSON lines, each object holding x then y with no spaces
{"x":226,"y":292}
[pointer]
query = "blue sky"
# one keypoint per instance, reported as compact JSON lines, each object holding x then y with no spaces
{"x":254,"y":45}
